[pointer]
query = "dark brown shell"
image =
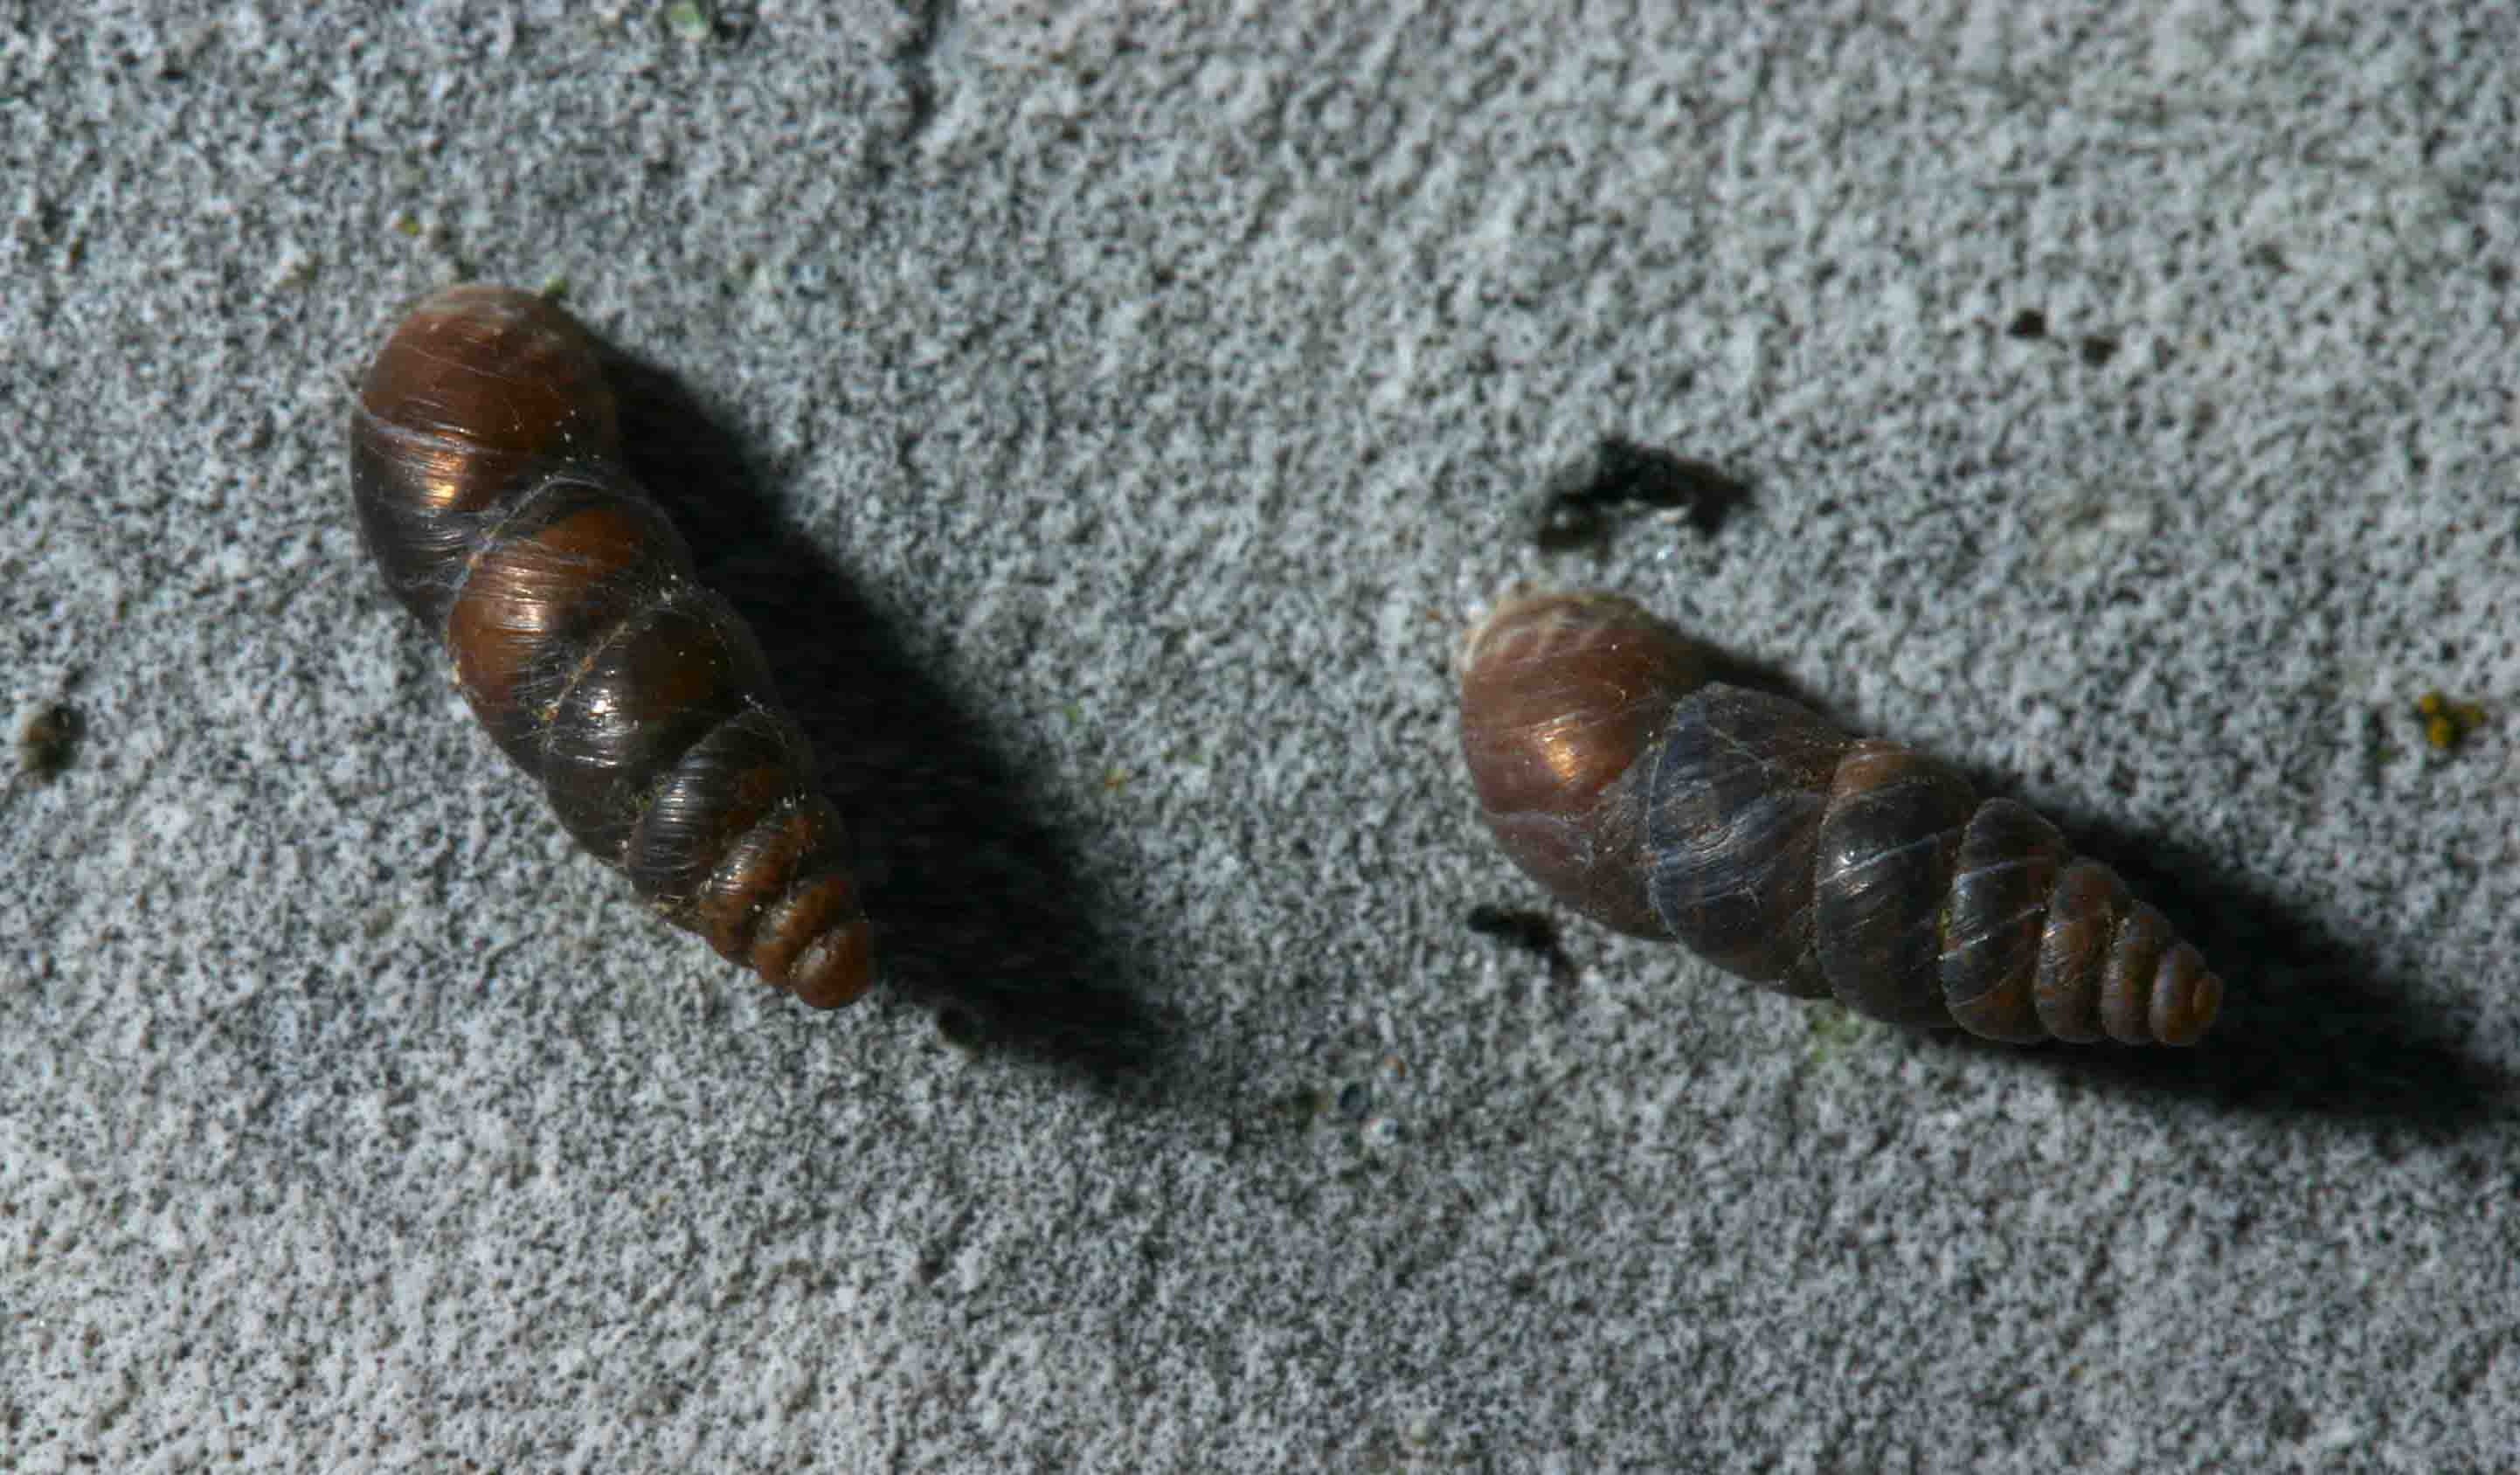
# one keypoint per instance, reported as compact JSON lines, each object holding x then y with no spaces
{"x":1780,"y":849}
{"x":484,"y":468}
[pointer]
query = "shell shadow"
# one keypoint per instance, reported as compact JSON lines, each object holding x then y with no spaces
{"x":979,"y":910}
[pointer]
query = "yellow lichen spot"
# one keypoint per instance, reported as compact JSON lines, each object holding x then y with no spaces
{"x":2447,"y":723}
{"x":1834,"y":1031}
{"x":687,"y":21}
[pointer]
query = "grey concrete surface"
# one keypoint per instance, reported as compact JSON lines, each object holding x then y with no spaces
{"x":1120,"y":414}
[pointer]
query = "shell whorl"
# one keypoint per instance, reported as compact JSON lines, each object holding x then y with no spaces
{"x":486,"y":455}
{"x":1668,"y":805}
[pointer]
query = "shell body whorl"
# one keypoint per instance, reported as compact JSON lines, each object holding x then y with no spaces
{"x":1560,"y":698}
{"x":1743,"y":825}
{"x":485,"y":470}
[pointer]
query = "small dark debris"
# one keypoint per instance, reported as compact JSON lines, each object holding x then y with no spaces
{"x":2029,"y":323}
{"x":1532,"y":933}
{"x":48,"y":739}
{"x":1621,"y":475}
{"x":1355,"y":1099}
{"x":2099,"y":348}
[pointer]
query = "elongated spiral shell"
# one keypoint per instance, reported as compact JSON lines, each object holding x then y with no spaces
{"x":1664,"y":804}
{"x":485,"y":469}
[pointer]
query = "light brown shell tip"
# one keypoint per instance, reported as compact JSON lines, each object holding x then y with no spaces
{"x":1543,"y":617}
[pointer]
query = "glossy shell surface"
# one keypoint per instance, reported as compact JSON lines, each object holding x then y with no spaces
{"x":485,"y":471}
{"x":1747,"y":827}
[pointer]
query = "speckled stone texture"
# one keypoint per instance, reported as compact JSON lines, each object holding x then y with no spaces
{"x":1131,"y":408}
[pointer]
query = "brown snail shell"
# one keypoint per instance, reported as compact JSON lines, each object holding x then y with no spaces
{"x":485,"y":470}
{"x":1662,"y":803}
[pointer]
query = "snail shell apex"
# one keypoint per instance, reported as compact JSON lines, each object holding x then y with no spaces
{"x":1662,"y":803}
